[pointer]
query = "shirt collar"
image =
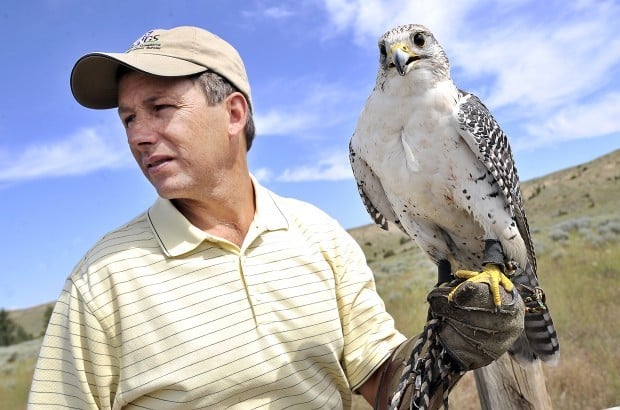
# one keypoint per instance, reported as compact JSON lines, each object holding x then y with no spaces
{"x":177,"y":236}
{"x":268,"y":214}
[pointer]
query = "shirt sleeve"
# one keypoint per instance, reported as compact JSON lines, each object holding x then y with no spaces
{"x":369,"y":332}
{"x":76,"y":366}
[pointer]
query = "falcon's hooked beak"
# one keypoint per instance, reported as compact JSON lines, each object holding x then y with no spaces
{"x":402,"y":57}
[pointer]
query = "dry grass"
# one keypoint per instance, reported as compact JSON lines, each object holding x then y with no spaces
{"x":16,"y":367}
{"x":584,"y":286}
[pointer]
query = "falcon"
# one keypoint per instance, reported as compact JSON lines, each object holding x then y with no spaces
{"x":431,"y":159}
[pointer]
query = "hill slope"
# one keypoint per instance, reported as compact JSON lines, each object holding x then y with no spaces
{"x":31,"y":319}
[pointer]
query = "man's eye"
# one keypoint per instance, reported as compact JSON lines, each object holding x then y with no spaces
{"x":160,"y":107}
{"x":128,"y":120}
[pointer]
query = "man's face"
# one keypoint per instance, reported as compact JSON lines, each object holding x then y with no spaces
{"x":181,"y":143}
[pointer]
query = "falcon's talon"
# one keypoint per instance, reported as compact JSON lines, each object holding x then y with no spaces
{"x":515,"y":296}
{"x":492,"y":275}
{"x":537,"y":298}
{"x":511,"y":268}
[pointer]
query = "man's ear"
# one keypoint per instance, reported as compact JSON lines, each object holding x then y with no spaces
{"x":238,"y":108}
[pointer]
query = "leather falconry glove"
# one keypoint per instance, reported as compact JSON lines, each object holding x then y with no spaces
{"x":461,"y":335}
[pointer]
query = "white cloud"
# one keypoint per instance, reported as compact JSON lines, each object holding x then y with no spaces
{"x":596,"y":119}
{"x":540,"y":63}
{"x":542,"y":66}
{"x":315,"y":106}
{"x":368,"y":19}
{"x":527,"y":61}
{"x":277,"y":12}
{"x":263,"y":175}
{"x":85,"y":151}
{"x":331,"y":167}
{"x":284,"y":121}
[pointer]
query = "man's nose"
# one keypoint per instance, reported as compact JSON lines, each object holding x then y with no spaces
{"x":141,"y":134}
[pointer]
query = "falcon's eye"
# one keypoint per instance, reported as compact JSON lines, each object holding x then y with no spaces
{"x":382,"y":53}
{"x":418,"y":39}
{"x":382,"y":49}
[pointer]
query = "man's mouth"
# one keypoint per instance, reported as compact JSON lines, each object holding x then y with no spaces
{"x":157,"y":160}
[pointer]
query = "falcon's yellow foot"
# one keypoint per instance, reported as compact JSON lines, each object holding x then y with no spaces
{"x":492,"y":275}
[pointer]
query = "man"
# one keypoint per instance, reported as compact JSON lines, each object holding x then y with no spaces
{"x":222,"y":294}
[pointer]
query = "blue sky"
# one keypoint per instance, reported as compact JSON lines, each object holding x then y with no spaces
{"x":548,"y":70}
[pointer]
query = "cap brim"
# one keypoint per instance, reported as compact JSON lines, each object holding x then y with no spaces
{"x":94,"y":82}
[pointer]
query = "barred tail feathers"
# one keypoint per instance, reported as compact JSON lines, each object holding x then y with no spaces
{"x":539,"y":339}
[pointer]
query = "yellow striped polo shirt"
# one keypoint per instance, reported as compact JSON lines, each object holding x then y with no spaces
{"x":161,"y":315}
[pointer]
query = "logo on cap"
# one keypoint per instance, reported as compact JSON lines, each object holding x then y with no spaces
{"x":148,"y":41}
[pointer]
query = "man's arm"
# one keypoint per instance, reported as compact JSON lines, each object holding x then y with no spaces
{"x":380,"y":387}
{"x":371,"y":386}
{"x":75,"y":367}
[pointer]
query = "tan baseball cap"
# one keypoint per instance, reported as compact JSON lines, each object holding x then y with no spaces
{"x":178,"y":52}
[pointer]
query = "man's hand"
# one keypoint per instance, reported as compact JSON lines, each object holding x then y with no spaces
{"x":470,"y":330}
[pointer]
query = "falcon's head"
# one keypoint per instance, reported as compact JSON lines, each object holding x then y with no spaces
{"x":410,"y":48}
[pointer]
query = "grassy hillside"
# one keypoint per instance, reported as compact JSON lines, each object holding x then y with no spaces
{"x":576,"y":228}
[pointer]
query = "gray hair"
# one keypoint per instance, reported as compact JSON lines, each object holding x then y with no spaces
{"x":217,"y":88}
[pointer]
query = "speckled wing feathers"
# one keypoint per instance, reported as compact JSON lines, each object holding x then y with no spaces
{"x":490,"y":144}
